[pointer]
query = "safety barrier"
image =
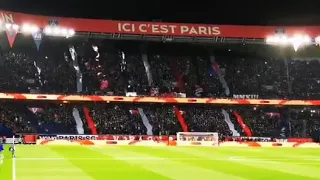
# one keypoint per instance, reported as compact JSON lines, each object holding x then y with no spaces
{"x":174,"y":143}
{"x":160,"y":100}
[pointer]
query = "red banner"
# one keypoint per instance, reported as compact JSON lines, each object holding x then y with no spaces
{"x":157,"y":28}
{"x":32,"y":138}
{"x":244,"y":127}
{"x":133,"y":137}
{"x":11,"y":37}
{"x":300,"y":140}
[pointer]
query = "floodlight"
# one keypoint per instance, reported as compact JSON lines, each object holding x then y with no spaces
{"x":317,"y":39}
{"x":278,"y":40}
{"x":47,"y":30}
{"x":58,"y":31}
{"x":28,"y":28}
{"x":71,"y":32}
{"x":299,"y":40}
{"x":15,"y":27}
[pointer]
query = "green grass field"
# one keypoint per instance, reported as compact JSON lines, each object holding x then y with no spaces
{"x":179,"y":163}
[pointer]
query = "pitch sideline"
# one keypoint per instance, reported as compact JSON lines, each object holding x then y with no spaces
{"x":245,"y":159}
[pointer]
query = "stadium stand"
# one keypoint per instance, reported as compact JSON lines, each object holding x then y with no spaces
{"x":85,"y":66}
{"x":156,"y":69}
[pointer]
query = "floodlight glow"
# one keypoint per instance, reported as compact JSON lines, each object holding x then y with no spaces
{"x":303,"y":39}
{"x":47,"y":30}
{"x":34,"y":29}
{"x":15,"y":27}
{"x":317,"y":39}
{"x":71,"y":32}
{"x":64,"y":31}
{"x":56,"y":31}
{"x":299,"y":40}
{"x":282,"y":40}
{"x":8,"y":26}
{"x":27,"y":28}
{"x":296,"y":46}
{"x":307,"y":39}
{"x":270,"y":40}
{"x":59,"y":31}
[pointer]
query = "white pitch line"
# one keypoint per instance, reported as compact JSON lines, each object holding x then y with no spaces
{"x":14,"y":166}
{"x":14,"y":170}
{"x":253,"y":160}
{"x":110,"y":159}
{"x":275,"y":161}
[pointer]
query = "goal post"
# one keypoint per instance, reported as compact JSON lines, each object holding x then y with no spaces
{"x":197,"y":139}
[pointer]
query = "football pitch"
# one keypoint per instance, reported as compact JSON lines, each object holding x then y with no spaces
{"x":155,"y":163}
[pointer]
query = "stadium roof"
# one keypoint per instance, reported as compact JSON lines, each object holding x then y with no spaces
{"x":225,"y":12}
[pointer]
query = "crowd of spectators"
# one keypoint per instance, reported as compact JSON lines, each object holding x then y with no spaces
{"x":117,"y":119}
{"x":53,"y":118}
{"x":108,"y":67}
{"x":81,"y":66}
{"x":11,"y":122}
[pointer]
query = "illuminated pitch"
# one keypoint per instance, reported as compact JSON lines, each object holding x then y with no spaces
{"x":160,"y":163}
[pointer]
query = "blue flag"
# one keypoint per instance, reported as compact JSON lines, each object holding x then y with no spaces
{"x":1,"y":148}
{"x":37,"y":37}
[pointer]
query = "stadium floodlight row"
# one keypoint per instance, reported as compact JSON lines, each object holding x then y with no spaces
{"x":32,"y":28}
{"x":161,"y":31}
{"x":296,"y":41}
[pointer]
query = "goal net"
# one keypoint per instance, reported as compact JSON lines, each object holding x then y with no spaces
{"x":197,"y":139}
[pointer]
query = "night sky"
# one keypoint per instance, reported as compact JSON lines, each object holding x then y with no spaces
{"x":258,"y":12}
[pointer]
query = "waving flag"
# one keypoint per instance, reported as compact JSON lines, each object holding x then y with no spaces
{"x":11,"y":35}
{"x":145,"y":121}
{"x":134,"y":111}
{"x":244,"y":127}
{"x":37,"y":37}
{"x":216,"y":71}
{"x":104,"y":85}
